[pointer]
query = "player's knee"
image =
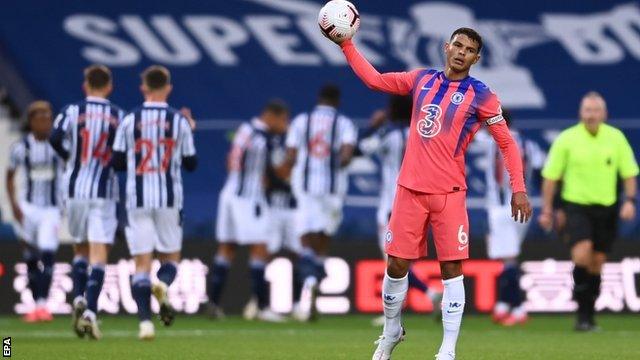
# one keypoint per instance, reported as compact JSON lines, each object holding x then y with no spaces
{"x":397,"y":268}
{"x":450,"y":269}
{"x":582,"y":253}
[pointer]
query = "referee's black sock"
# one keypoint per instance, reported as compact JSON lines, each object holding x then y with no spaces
{"x":582,"y":292}
{"x":594,"y":292}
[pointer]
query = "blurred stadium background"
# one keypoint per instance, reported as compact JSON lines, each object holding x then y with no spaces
{"x":229,"y":57}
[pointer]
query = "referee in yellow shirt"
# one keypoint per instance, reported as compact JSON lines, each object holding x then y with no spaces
{"x":588,"y":158}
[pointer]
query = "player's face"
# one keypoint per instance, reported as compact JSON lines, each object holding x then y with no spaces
{"x":593,"y":111}
{"x":277,"y":123}
{"x":41,"y":123}
{"x":461,"y":53}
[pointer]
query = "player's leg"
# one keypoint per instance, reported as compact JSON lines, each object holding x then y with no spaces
{"x":217,"y":277}
{"x":48,"y":245}
{"x":258,"y":257}
{"x":226,"y":235}
{"x":141,"y":237}
{"x":101,"y":228}
{"x":605,"y":222}
{"x":503,"y":244}
{"x":310,"y":220}
{"x":404,"y":242}
{"x":580,"y":231}
{"x":168,"y":225}
{"x":450,"y":226}
{"x":77,"y":213}
{"x":141,"y":291}
{"x":31,"y":256}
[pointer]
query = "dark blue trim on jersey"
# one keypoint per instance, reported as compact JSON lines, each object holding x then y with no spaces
{"x":54,"y":182}
{"x":452,"y":108}
{"x":107,"y":175}
{"x":333,"y":165}
{"x":423,"y":94}
{"x":442,"y":89}
{"x":307,"y":135}
{"x":243,"y":161}
{"x":138,"y":158}
{"x":466,"y":129}
{"x":168,"y":134}
{"x":27,"y":165}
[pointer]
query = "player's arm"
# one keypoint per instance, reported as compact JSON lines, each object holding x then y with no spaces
{"x":15,"y":160}
{"x":59,"y":133}
{"x":400,"y":83}
{"x":119,"y":147}
{"x":628,"y":172}
{"x":349,"y":138}
{"x":294,"y":140}
{"x":371,"y":139}
{"x":188,"y":151}
{"x":490,"y":112}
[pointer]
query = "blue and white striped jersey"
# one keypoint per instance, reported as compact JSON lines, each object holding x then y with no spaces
{"x":279,"y":193}
{"x":155,"y":138}
{"x":86,"y":130}
{"x":496,"y":175}
{"x":42,"y":171}
{"x":388,"y":144}
{"x":318,"y":137}
{"x":248,"y":160}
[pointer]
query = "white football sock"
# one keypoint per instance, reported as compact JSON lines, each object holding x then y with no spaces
{"x":452,"y":309}
{"x":393,"y":293}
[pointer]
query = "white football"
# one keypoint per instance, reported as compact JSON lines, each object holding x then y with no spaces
{"x":339,"y":20}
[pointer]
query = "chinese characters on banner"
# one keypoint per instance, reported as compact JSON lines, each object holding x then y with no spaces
{"x":185,"y":294}
{"x":547,"y":285}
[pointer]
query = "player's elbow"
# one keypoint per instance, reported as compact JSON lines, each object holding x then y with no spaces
{"x":119,"y":161}
{"x":190,"y":163}
{"x":55,"y":139}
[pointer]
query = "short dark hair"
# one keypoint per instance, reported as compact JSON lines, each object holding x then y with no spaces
{"x":471,"y":34}
{"x":329,"y":93}
{"x":37,"y":107}
{"x":400,"y":107}
{"x":156,"y":77}
{"x":276,"y":107}
{"x":97,"y":76}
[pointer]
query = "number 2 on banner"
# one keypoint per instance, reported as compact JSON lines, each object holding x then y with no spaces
{"x":149,"y":149}
{"x":100,"y":151}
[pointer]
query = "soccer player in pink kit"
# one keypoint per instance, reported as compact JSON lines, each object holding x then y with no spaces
{"x":448,"y":108}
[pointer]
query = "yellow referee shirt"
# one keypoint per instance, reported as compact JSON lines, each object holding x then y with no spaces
{"x":589,"y":165}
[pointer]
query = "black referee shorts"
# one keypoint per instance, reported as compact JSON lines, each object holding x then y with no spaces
{"x":594,"y":222}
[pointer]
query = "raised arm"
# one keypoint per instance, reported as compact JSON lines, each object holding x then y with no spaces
{"x":400,"y":83}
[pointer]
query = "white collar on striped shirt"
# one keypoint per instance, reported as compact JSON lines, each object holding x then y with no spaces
{"x":97,"y":99}
{"x":325,"y":107}
{"x":259,"y":124}
{"x":155,"y":104}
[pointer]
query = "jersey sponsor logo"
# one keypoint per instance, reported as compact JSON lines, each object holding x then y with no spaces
{"x":463,"y":238}
{"x":430,"y":125}
{"x":457,"y":98}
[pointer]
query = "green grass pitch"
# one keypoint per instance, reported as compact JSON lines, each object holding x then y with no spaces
{"x":345,"y":337}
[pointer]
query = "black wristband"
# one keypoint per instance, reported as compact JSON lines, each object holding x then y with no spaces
{"x":631,"y":199}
